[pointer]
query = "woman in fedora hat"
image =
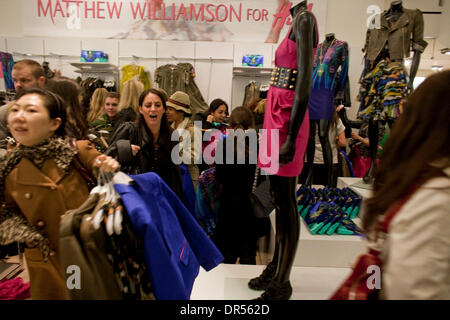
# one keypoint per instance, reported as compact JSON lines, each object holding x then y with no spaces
{"x":178,"y":114}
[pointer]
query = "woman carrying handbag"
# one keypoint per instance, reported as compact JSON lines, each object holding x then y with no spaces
{"x":407,"y":219}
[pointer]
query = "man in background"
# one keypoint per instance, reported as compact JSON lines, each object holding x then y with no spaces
{"x":25,"y":74}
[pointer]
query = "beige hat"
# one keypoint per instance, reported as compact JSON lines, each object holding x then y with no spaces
{"x":180,"y":101}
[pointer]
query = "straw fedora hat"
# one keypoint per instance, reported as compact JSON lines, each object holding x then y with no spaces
{"x":180,"y":101}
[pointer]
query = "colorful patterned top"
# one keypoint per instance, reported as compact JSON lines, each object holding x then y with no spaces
{"x":327,"y":61}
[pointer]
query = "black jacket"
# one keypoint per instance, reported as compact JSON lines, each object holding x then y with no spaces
{"x":149,"y":158}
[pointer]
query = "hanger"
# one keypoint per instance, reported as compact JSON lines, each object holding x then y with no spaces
{"x":101,"y":188}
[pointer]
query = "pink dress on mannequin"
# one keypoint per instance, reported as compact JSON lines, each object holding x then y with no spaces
{"x":276,"y":117}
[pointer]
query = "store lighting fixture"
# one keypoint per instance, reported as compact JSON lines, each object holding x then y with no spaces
{"x":445,"y":51}
{"x":437,"y":68}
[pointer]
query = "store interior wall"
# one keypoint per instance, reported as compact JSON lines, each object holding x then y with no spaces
{"x":214,"y":61}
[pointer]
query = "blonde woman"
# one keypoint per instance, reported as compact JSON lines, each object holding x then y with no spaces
{"x":97,"y":104}
{"x":129,"y":102}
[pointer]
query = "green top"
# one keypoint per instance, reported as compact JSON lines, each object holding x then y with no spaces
{"x":102,"y":123}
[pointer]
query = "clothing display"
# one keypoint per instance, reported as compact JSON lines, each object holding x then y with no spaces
{"x":401,"y":36}
{"x":134,"y":71}
{"x":327,"y":61}
{"x":277,"y":115}
{"x":111,"y":263}
{"x":382,"y":91}
{"x":329,"y":210}
{"x":180,"y":77}
{"x":175,"y":246}
{"x":7,"y":62}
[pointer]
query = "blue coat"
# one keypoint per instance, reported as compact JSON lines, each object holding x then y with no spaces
{"x":174,"y":243}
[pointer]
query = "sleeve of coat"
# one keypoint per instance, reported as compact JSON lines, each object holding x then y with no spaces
{"x":87,"y":154}
{"x":418,"y":43}
{"x":418,"y":249}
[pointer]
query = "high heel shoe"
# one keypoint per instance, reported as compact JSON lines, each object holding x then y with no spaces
{"x":277,"y":291}
{"x":261,"y":282}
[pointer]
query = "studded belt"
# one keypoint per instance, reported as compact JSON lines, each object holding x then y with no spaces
{"x":283,"y":78}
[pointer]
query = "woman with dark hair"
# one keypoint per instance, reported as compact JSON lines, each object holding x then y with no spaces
{"x":69,"y":91}
{"x":145,"y":144}
{"x":237,"y":228}
{"x":39,"y":182}
{"x":416,"y":253}
{"x":215,"y":116}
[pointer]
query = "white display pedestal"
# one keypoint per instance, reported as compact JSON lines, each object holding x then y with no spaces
{"x":230,"y":282}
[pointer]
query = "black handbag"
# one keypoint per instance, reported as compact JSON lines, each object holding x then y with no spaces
{"x":261,"y":197}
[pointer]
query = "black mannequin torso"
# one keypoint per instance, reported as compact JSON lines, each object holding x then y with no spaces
{"x":395,"y":11}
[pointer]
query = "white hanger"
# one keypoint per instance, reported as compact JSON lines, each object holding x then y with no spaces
{"x":101,"y":188}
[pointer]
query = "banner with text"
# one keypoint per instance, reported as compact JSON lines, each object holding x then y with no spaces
{"x":219,"y":20}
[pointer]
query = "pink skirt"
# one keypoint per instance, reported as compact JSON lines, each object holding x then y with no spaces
{"x":274,"y":133}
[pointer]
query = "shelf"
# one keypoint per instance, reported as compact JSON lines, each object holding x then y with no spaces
{"x":95,"y":67}
{"x":252,"y":71}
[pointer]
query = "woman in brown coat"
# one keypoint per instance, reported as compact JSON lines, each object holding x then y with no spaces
{"x":39,"y":182}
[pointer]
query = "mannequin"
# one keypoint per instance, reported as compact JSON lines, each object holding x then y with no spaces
{"x":331,"y":55}
{"x":411,"y":23}
{"x":293,"y":139}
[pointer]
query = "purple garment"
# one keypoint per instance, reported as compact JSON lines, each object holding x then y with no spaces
{"x":325,"y":84}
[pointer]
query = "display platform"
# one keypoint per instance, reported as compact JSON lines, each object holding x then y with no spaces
{"x":357,"y":185}
{"x":229,"y":282}
{"x":335,"y":251}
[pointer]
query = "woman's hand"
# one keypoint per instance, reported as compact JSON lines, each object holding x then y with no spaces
{"x":356,"y":136}
{"x":135,"y":149}
{"x":210,"y":118}
{"x":106,"y":163}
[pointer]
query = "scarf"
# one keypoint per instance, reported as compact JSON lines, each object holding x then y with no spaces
{"x":13,"y":225}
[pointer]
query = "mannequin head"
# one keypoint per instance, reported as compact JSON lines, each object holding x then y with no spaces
{"x":396,"y":7}
{"x":329,"y":37}
{"x":302,"y":5}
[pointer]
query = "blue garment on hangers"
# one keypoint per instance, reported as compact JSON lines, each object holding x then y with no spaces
{"x":188,"y":189}
{"x":175,"y":246}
